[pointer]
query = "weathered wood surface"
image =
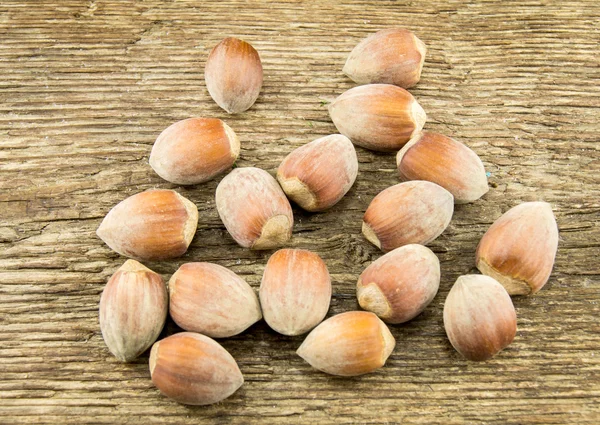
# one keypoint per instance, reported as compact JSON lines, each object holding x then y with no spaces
{"x":86,"y":87}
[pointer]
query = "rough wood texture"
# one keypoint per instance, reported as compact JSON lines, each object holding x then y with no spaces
{"x":86,"y":88}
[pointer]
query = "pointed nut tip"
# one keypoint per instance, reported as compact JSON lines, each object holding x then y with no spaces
{"x":234,"y":141}
{"x":416,"y":137}
{"x":419,"y":117}
{"x":370,"y":235}
{"x":134,"y":266}
{"x":153,"y":357}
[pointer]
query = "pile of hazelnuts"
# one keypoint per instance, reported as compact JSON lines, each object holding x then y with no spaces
{"x":516,"y":254}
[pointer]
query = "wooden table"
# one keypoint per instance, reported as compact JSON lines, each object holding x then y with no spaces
{"x":86,"y":87}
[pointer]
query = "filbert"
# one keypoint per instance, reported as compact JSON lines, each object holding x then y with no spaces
{"x":254,"y":209}
{"x":442,"y":160}
{"x":348,"y":344}
{"x":317,"y":175}
{"x":391,"y":56}
{"x":133,"y":310}
{"x":398,"y":286}
{"x":194,"y":150}
{"x":234,"y":75}
{"x":152,"y":225}
{"x":295,"y":291}
{"x":411,"y":212}
{"x":519,"y":249}
{"x":212,"y":300}
{"x":380,"y":117}
{"x":479,"y":317}
{"x":193,"y":369}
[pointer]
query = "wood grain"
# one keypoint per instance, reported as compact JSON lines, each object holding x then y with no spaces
{"x":85,"y":89}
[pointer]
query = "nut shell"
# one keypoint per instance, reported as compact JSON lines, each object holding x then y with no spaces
{"x":153,"y":225}
{"x":414,"y":212}
{"x":133,"y":310}
{"x":519,"y":249}
{"x":295,"y":291}
{"x":193,"y":369}
{"x":479,"y":317}
{"x":390,"y":56}
{"x":398,"y":286}
{"x":442,"y":160}
{"x":348,"y":344}
{"x":234,"y":75}
{"x":380,"y":117}
{"x":317,"y":175}
{"x":194,"y":150}
{"x":212,"y":300}
{"x":254,"y":209}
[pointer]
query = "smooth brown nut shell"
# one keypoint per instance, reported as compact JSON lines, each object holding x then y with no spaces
{"x":133,"y":310}
{"x":348,"y":344}
{"x":411,"y":212}
{"x":479,"y":317}
{"x":194,"y":150}
{"x":390,"y":56}
{"x":519,"y":249}
{"x":380,"y":117}
{"x":295,"y":291}
{"x":442,"y":160}
{"x":398,"y":286}
{"x":317,"y":175}
{"x":212,"y":300}
{"x":254,"y":209}
{"x":234,"y":75}
{"x":193,"y":369}
{"x":156,"y":224}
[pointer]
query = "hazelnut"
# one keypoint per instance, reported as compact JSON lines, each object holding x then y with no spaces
{"x":518,"y":250}
{"x":317,"y":175}
{"x":380,"y":117}
{"x":212,"y":300}
{"x":133,"y":310}
{"x":479,"y":317}
{"x":442,"y":160}
{"x":348,"y":344}
{"x":390,"y":56}
{"x":153,"y":225}
{"x":254,"y":209}
{"x":234,"y":75}
{"x":411,"y":212}
{"x":398,"y":286}
{"x":194,"y":150}
{"x":295,"y":291}
{"x":193,"y":369}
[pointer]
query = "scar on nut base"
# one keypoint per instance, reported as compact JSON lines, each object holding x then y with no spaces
{"x":194,"y":150}
{"x":194,"y":369}
{"x":519,"y":249}
{"x":234,"y":75}
{"x":399,"y":285}
{"x":380,"y":117}
{"x":254,"y":209}
{"x":414,"y":212}
{"x":317,"y":175}
{"x":442,"y":160}
{"x":479,"y":317}
{"x":390,"y":56}
{"x":348,"y":344}
{"x":156,"y":224}
{"x":295,"y":291}
{"x":133,"y":310}
{"x":212,"y":300}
